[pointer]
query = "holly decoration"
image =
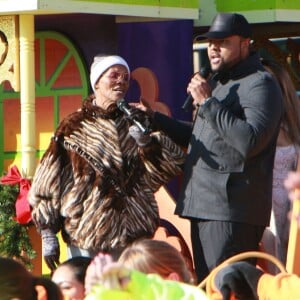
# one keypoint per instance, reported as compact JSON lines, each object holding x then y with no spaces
{"x":14,"y":240}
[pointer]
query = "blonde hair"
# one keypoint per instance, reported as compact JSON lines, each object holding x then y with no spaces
{"x":291,"y":101}
{"x":155,"y":256}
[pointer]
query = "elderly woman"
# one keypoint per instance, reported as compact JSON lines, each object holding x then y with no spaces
{"x":96,"y":181}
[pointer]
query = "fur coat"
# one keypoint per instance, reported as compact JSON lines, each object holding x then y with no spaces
{"x":95,"y":185}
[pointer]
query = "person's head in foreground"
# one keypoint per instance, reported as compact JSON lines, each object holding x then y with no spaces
{"x":16,"y":283}
{"x":70,"y":276}
{"x":146,"y":256}
{"x":159,"y":257}
{"x":134,"y":279}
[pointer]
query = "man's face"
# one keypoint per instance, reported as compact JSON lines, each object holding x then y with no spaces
{"x":225,"y":53}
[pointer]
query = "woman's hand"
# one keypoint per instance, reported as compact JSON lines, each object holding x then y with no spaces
{"x":95,"y":270}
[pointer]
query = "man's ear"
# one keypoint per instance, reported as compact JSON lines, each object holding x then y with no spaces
{"x":173,"y":276}
{"x":41,"y":292}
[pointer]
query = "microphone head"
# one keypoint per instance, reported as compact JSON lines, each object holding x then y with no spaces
{"x":204,"y":71}
{"x":124,"y":107}
{"x":120,"y":103}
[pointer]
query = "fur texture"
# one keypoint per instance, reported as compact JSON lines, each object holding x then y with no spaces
{"x":94,"y":183}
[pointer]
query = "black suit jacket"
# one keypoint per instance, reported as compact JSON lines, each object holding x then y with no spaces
{"x":228,"y":170}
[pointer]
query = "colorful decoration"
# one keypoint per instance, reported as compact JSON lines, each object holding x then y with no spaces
{"x":9,"y":51}
{"x":15,"y":239}
{"x":23,"y":215}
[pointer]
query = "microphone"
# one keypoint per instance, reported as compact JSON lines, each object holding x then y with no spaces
{"x":125,"y":108}
{"x":188,"y":104}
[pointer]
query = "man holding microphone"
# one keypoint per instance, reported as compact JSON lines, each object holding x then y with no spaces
{"x":226,"y":190}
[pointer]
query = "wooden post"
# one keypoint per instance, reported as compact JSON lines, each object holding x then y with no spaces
{"x":27,"y":95}
{"x":36,"y":243}
{"x":27,"y":100}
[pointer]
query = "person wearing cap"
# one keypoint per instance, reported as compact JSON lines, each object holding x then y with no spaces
{"x":226,"y":188}
{"x":241,"y":280}
{"x":96,"y":181}
{"x":244,"y":281}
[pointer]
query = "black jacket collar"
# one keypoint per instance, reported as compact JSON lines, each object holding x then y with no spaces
{"x":245,"y":67}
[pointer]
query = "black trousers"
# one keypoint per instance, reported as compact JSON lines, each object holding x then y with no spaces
{"x":215,"y":241}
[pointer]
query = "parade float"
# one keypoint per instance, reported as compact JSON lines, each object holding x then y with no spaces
{"x":47,"y":46}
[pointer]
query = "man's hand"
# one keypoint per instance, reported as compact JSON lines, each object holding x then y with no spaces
{"x":50,"y":248}
{"x":239,"y":279}
{"x":199,"y":88}
{"x":143,"y":105}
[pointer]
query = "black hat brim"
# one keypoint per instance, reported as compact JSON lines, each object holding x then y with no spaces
{"x":213,"y":35}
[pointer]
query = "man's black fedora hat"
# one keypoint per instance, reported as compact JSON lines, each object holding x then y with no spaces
{"x":227,"y":24}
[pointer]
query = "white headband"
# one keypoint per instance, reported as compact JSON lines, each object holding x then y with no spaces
{"x":101,"y":64}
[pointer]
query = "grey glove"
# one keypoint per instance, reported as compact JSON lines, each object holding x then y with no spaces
{"x":50,"y":248}
{"x":141,"y":139}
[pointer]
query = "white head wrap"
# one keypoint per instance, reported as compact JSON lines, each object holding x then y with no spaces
{"x":102,"y":63}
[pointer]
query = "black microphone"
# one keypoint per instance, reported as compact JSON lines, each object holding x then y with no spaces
{"x":125,"y":108}
{"x":188,"y":103}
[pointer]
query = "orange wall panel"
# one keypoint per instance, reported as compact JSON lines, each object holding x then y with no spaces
{"x":11,"y":124}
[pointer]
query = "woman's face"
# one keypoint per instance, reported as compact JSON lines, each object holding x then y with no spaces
{"x":112,"y":86}
{"x":71,"y":288}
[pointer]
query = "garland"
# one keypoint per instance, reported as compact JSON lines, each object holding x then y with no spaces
{"x":14,"y":240}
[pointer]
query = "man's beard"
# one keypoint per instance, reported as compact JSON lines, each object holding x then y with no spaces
{"x":223,"y":67}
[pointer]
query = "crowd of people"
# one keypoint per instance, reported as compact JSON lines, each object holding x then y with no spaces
{"x":96,"y":182}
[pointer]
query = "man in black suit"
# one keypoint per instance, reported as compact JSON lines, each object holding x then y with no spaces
{"x":227,"y":183}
